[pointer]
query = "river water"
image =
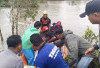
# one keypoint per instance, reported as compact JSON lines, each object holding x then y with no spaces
{"x":65,"y":11}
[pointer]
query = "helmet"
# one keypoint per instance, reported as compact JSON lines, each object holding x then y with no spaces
{"x":45,"y":12}
{"x":59,"y":23}
{"x":45,"y":28}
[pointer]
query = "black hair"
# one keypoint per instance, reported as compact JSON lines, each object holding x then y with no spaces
{"x":37,"y":24}
{"x":36,"y":39}
{"x":54,"y":24}
{"x":46,"y":31}
{"x":14,"y":40}
{"x":59,"y":43}
{"x":59,"y":31}
{"x":42,"y":35}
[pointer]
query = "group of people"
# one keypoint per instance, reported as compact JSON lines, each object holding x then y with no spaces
{"x":42,"y":44}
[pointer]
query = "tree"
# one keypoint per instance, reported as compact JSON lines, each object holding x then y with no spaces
{"x":90,"y":36}
{"x":22,"y":9}
{"x":43,"y":1}
{"x":1,"y":37}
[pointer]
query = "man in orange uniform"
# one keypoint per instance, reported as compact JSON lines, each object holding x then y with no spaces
{"x":45,"y":20}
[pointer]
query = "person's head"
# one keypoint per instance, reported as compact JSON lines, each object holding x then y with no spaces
{"x":45,"y":14}
{"x":54,"y":24}
{"x":92,"y":11}
{"x":59,"y":43}
{"x":59,"y":23}
{"x":37,"y":24}
{"x":36,"y":41}
{"x":43,"y":37}
{"x":45,"y":29}
{"x":94,"y":18}
{"x":59,"y":33}
{"x":15,"y":42}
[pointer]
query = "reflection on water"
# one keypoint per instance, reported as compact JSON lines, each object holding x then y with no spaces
{"x":66,"y":11}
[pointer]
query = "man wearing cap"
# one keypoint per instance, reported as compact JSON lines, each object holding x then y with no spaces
{"x":45,"y":20}
{"x":58,"y":25}
{"x":93,"y":12}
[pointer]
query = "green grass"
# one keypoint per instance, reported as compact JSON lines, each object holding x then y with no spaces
{"x":4,"y":4}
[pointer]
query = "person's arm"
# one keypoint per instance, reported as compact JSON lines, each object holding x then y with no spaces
{"x":49,"y":23}
{"x":41,"y":20}
{"x":52,"y":39}
{"x":49,"y":26}
{"x":34,"y":66}
{"x":65,"y":52}
{"x":91,"y":50}
{"x":72,"y":45}
{"x":58,"y":43}
{"x":51,"y":36}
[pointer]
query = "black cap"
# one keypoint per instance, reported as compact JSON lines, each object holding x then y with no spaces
{"x":91,"y":7}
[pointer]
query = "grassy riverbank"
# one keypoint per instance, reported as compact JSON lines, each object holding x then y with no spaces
{"x":4,"y":3}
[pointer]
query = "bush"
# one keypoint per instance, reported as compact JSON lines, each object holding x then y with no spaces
{"x":4,"y":4}
{"x":91,"y":37}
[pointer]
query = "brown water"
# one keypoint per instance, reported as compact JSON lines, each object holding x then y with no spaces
{"x":65,"y":11}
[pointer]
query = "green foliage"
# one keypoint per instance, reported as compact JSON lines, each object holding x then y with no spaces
{"x":4,"y":3}
{"x":93,"y":39}
{"x":26,"y":8}
{"x":90,"y":36}
{"x":66,"y":59}
{"x":30,"y":8}
{"x":21,"y":10}
{"x":0,"y":1}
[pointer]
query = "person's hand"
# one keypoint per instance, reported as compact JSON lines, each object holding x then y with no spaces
{"x":89,"y":51}
{"x":34,"y":66}
{"x":63,"y":54}
{"x":73,"y":67}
